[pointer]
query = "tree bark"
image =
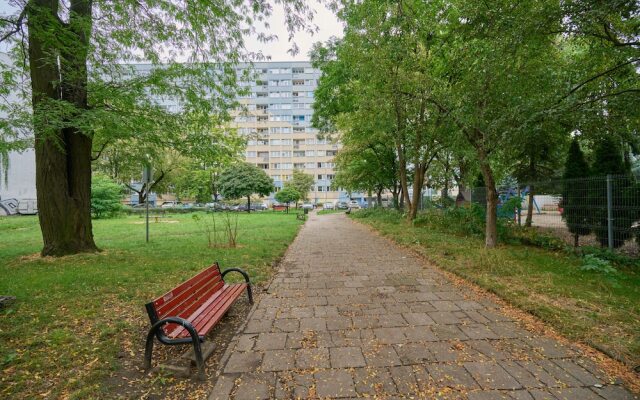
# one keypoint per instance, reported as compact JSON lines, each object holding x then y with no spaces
{"x":63,"y":156}
{"x":418,"y":181}
{"x":249,"y":204}
{"x":379,"y":196}
{"x":529,"y":219}
{"x":402,"y":169}
{"x":491,"y":228}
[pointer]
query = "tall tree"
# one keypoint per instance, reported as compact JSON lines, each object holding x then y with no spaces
{"x":608,"y":160}
{"x":301,"y":182}
{"x":79,"y":83}
{"x":243,"y":180}
{"x":574,"y":197}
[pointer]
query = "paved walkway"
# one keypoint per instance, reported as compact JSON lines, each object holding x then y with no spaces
{"x":350,"y":315}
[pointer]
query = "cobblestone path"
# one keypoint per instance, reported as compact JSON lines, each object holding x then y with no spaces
{"x":350,"y":315}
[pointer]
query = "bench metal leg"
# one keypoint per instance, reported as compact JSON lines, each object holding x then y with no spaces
{"x":195,"y":339}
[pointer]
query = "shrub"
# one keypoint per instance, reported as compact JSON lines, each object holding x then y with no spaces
{"x":105,"y":197}
{"x":595,"y":264}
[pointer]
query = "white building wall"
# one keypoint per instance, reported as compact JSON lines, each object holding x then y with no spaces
{"x":21,"y":182}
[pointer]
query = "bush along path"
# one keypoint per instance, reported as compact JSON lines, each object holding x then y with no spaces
{"x":350,"y":314}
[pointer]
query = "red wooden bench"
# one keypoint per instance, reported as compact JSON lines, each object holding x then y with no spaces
{"x":188,"y":312}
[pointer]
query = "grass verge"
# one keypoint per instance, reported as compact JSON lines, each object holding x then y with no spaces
{"x":76,"y":317}
{"x":600,"y":310}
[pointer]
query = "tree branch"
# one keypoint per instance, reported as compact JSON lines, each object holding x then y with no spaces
{"x":17,"y":24}
{"x":104,"y":145}
{"x":593,"y":78}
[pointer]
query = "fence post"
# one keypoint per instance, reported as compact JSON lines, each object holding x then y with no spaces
{"x":519,"y":209}
{"x":610,"y":212}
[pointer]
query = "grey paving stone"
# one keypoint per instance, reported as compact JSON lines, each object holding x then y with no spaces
{"x":489,"y":395}
{"x":346,"y":357}
{"x":418,"y":334}
{"x":582,"y":375}
{"x":312,"y":358}
{"x":404,"y":380}
{"x":490,"y":375}
{"x":223,"y":387}
{"x":372,"y":381}
{"x":390,"y":335}
{"x":337,"y":322}
{"x":335,"y":383}
{"x":313,"y":324}
{"x":444,"y":317}
{"x":245,"y":342}
{"x":258,"y":325}
{"x":413,"y":353}
{"x":614,"y":392}
{"x":417,"y":319}
{"x":254,"y":387}
{"x":278,"y":360}
{"x":243,"y":362}
{"x":271,"y":341}
{"x":380,"y":356}
{"x":451,"y":375}
{"x":286,"y":325}
{"x":445,"y":305}
{"x":574,"y":393}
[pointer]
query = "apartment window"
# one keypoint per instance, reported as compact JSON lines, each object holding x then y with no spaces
{"x":309,"y":153}
{"x":262,"y":107}
{"x":320,"y":189}
{"x":286,"y":106}
{"x":321,"y":153}
{"x":261,"y":83}
{"x":308,"y":70}
{"x":251,"y":154}
{"x":310,"y":165}
{"x":286,"y":130}
{"x":298,"y":82}
{"x":310,"y":141}
{"x":263,"y":166}
{"x":261,"y":94}
{"x":322,"y":141}
{"x":330,"y":177}
{"x":298,"y":165}
{"x":285,"y":82}
{"x":298,"y":153}
{"x":298,"y":129}
{"x":320,"y":177}
{"x":298,"y":118}
{"x":252,"y":143}
{"x":275,"y":154}
{"x":331,"y":153}
{"x":298,"y":70}
{"x":264,"y":154}
{"x":262,"y":142}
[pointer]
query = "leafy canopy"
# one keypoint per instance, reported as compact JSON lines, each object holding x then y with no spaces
{"x":243,"y":180}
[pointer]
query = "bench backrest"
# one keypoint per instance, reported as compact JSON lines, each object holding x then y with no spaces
{"x":188,"y":296}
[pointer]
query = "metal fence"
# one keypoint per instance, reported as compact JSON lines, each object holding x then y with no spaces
{"x":597,"y":211}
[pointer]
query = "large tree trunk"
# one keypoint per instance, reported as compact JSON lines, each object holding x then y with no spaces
{"x":529,"y":219}
{"x":63,"y":156}
{"x":402,"y":169}
{"x":418,"y":181}
{"x":491,"y":229}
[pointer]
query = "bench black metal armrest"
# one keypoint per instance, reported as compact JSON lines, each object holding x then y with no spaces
{"x":246,"y":279}
{"x":195,"y":339}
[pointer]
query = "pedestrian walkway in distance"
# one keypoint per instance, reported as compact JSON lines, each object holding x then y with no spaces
{"x":351,"y":315}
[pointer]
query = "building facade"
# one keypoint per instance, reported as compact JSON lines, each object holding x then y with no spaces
{"x":276,"y":121}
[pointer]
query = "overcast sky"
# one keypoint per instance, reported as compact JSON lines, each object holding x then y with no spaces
{"x":326,"y":21}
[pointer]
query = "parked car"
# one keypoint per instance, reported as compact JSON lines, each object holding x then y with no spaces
{"x":342,"y":205}
{"x":328,"y":206}
{"x":170,"y":204}
{"x":307,"y":206}
{"x":143,"y":205}
{"x":354,"y":204}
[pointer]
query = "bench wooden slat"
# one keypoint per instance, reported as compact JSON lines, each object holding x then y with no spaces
{"x":192,"y":301}
{"x":167,"y":297}
{"x":195,"y":312}
{"x":188,"y":295}
{"x":200,"y":319}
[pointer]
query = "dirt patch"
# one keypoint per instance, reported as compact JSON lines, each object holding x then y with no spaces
{"x":164,"y":221}
{"x":132,"y":382}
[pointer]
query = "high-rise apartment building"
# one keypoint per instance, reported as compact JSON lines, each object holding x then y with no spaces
{"x":277,"y":125}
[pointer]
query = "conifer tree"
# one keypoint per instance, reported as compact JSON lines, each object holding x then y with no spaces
{"x":575,"y":207}
{"x":608,"y":160}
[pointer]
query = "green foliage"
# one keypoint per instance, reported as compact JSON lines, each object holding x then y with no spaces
{"x":301,"y":183}
{"x":592,"y":263}
{"x":608,"y":160}
{"x":287,"y":195}
{"x":105,"y":197}
{"x":243,"y":180}
{"x":575,"y":207}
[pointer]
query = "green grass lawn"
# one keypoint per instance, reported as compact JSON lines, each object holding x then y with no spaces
{"x":598,"y":309}
{"x":74,"y":315}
